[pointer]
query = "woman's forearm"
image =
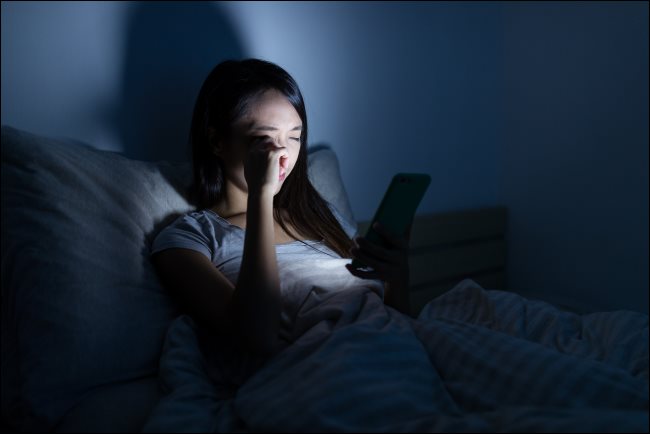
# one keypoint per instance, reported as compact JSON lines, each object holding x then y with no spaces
{"x":257,"y":300}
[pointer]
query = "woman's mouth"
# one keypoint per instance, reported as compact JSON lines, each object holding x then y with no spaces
{"x":282,"y":176}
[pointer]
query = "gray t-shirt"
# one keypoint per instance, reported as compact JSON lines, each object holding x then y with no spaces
{"x":223,"y":243}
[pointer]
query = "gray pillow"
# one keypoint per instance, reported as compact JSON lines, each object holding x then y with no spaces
{"x":325,"y":176}
{"x":81,"y":304}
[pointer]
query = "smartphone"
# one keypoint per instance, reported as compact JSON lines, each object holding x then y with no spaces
{"x":397,"y":208}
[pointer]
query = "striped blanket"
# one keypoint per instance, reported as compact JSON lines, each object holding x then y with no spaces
{"x":474,"y":360}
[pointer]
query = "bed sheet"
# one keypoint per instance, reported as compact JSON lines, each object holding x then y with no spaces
{"x":473,"y":360}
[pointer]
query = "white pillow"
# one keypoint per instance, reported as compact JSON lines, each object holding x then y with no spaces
{"x":81,"y":304}
{"x":325,"y":176}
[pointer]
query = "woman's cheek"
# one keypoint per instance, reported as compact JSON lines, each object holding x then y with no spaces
{"x":295,"y":154}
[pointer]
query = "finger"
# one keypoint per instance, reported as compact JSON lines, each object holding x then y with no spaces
{"x":274,"y":154}
{"x":279,"y":152}
{"x":378,"y":265}
{"x":362,"y":274}
{"x":284,"y":161}
{"x":392,"y":239}
{"x":263,"y":143}
{"x":376,"y":250}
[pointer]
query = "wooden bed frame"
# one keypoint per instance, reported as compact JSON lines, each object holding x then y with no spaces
{"x":451,"y":246}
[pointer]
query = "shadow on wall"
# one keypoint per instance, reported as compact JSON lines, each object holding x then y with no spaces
{"x":170,"y":49}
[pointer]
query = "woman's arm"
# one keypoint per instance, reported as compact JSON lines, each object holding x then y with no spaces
{"x":248,"y":311}
{"x":257,"y":302}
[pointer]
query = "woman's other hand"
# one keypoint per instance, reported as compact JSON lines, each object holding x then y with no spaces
{"x":390,"y":264}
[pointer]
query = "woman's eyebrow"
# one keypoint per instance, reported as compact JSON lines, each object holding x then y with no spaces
{"x":267,"y":128}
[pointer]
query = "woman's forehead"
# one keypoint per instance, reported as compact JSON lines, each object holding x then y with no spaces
{"x":271,"y":110}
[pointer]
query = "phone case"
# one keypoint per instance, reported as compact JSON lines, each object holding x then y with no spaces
{"x":397,"y":208}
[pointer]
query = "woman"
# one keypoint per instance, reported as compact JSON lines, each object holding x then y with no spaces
{"x":249,"y":139}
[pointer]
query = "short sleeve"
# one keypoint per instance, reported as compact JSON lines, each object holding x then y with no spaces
{"x":185,"y":232}
{"x":350,"y":228}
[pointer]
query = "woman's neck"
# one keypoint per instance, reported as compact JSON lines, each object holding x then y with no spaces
{"x":233,"y":202}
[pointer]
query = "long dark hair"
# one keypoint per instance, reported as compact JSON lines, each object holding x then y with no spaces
{"x":224,"y":97}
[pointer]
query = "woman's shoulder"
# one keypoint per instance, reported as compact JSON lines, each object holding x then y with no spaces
{"x":204,"y":217}
{"x":198,"y":229}
{"x":198,"y":219}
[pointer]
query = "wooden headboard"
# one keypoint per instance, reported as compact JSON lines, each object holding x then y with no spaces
{"x":451,"y":246}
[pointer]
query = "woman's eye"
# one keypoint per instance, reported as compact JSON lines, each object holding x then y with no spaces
{"x":297,"y":139}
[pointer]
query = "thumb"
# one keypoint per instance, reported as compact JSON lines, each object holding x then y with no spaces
{"x":284,"y":161}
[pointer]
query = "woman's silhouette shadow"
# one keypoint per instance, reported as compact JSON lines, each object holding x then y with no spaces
{"x":170,"y":49}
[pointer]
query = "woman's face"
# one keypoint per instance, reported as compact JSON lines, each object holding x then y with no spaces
{"x":270,"y":116}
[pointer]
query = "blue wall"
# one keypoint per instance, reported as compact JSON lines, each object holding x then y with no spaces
{"x":394,"y":87}
{"x":539,"y":107}
{"x":121,"y":76}
{"x":575,"y":151}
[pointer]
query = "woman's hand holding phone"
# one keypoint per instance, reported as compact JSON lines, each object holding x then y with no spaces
{"x":384,"y":249}
{"x":389,"y":264}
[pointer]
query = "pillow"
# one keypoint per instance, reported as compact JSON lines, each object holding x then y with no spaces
{"x":81,"y":305}
{"x":325,"y":176}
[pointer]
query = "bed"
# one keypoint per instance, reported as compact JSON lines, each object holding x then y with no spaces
{"x":91,"y":342}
